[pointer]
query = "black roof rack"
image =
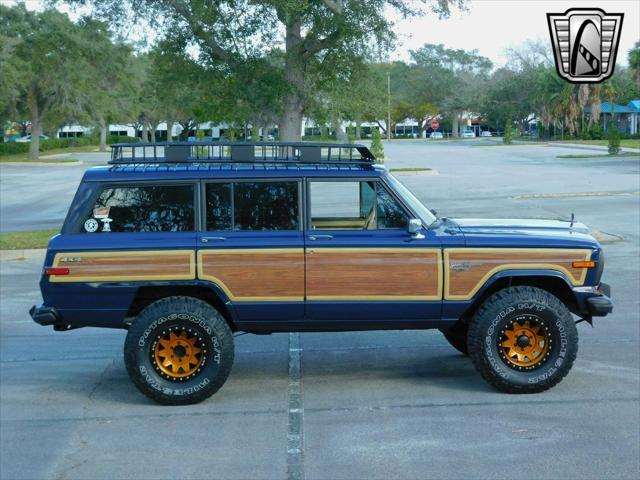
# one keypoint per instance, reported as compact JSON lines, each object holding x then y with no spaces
{"x":240,"y":152}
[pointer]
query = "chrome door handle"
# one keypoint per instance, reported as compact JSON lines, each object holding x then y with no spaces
{"x":212,"y":239}
{"x":320,"y":237}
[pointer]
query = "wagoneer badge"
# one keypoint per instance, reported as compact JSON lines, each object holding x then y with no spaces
{"x":585,"y":43}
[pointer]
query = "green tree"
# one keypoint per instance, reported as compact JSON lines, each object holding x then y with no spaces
{"x":11,"y":76}
{"x":112,"y":77}
{"x":377,"y":149}
{"x":462,"y":78}
{"x":634,"y":63}
{"x":230,"y":33}
{"x":55,"y":72}
{"x":507,"y":139}
{"x":613,"y":136}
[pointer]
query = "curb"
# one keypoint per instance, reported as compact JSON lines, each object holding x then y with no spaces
{"x":415,"y":173}
{"x":23,"y":254}
{"x":43,"y":164}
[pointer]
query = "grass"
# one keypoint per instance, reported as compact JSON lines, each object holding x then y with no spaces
{"x":625,"y":142}
{"x":24,"y":240}
{"x":601,"y":155}
{"x":410,"y":170}
{"x":24,"y":157}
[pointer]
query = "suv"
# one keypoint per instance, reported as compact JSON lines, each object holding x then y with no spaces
{"x":185,"y":244}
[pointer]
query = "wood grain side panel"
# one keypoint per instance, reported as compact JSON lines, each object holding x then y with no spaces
{"x":115,"y":266}
{"x":255,"y":275}
{"x":373,"y":274}
{"x":466,"y":270}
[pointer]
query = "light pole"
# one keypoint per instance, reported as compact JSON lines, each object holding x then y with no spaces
{"x":388,"y":105}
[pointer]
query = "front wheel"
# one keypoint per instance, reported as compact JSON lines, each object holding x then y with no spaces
{"x":179,"y":351}
{"x":523,"y":340}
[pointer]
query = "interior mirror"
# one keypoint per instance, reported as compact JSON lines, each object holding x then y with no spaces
{"x":414,"y":226}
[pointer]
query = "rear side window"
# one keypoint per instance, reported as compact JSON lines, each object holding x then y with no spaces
{"x":243,"y":206}
{"x":153,"y":208}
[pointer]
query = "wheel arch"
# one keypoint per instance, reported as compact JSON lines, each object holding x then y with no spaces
{"x":553,"y":281}
{"x":208,"y":292}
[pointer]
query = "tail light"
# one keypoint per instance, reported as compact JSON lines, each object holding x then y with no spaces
{"x":56,"y":271}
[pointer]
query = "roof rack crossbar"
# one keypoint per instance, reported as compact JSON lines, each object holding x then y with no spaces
{"x":240,"y":152}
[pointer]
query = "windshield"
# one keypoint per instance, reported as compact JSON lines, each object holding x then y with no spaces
{"x":416,"y":205}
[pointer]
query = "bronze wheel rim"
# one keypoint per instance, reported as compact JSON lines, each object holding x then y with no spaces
{"x":178,"y":353}
{"x":525,"y":343}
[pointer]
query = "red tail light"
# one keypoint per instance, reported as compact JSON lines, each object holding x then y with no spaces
{"x":56,"y":271}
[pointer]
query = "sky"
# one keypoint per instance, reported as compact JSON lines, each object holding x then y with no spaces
{"x":492,"y":26}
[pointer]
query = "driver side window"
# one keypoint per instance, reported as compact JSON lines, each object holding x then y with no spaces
{"x":358,"y":205}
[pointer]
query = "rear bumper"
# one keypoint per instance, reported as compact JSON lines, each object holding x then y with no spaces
{"x":44,"y":316}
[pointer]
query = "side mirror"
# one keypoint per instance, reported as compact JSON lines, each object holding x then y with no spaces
{"x":413,"y":227}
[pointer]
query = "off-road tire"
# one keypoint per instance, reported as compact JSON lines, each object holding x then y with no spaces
{"x":456,"y":335}
{"x":496,"y":314}
{"x":181,"y":315}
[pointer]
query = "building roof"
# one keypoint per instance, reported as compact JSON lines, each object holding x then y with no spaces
{"x":635,"y":104}
{"x":605,"y":107}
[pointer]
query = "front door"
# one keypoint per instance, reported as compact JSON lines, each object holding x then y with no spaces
{"x":361,"y":263}
{"x":252,"y":248}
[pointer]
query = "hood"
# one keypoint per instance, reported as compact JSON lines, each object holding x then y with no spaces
{"x":524,"y":232}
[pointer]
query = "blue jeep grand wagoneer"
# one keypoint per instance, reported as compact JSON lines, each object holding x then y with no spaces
{"x":184,"y":244}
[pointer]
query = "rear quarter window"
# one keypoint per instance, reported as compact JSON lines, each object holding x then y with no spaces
{"x":151,"y":208}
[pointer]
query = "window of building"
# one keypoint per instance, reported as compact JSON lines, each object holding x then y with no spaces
{"x":154,"y":208}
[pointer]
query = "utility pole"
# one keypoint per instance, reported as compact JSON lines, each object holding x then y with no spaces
{"x":388,"y":105}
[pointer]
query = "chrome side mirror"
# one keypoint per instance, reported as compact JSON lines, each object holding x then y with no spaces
{"x":413,"y":227}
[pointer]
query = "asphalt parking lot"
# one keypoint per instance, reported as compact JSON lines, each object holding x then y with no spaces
{"x":375,"y":405}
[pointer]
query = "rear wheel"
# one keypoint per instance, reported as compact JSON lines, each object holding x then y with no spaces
{"x":179,"y":351}
{"x":523,"y":340}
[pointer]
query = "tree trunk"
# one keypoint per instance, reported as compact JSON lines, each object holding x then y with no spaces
{"x":36,"y":130}
{"x":265,"y":132}
{"x":382,"y":127}
{"x":145,"y":131}
{"x":103,"y":135}
{"x":170,"y":130}
{"x":341,"y":135}
{"x":290,"y":124}
{"x":358,"y":130}
{"x":455,"y":121}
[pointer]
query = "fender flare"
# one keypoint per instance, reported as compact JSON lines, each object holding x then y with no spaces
{"x":521,"y":273}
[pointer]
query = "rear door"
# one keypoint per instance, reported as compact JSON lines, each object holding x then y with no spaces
{"x":252,"y":246}
{"x":361,"y":263}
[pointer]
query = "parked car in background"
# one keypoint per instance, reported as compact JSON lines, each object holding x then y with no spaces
{"x":27,"y":138}
{"x":436,"y":135}
{"x":485,"y":133}
{"x":468,"y":134}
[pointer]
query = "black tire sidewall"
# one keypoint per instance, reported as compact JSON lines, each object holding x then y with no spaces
{"x":173,"y":313}
{"x":485,"y":336}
